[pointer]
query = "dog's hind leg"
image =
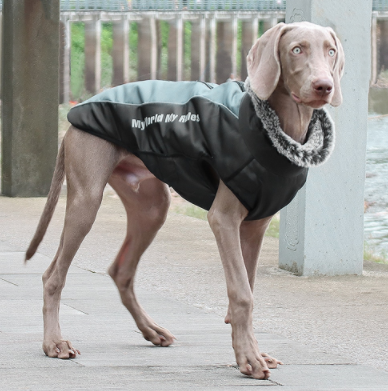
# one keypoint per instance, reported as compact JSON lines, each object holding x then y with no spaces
{"x":146,"y":201}
{"x":89,"y":161}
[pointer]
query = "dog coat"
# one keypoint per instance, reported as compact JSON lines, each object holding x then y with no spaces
{"x":192,"y":134}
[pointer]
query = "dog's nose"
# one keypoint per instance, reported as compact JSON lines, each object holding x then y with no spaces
{"x":323,"y":86}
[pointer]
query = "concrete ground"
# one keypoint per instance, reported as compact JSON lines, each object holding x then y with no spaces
{"x":331,"y":332}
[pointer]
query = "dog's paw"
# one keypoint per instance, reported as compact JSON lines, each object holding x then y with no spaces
{"x":62,"y":349}
{"x":253,"y":365}
{"x":159,"y":336}
{"x":248,"y":357}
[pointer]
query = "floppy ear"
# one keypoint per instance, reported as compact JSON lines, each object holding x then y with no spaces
{"x":264,"y":64}
{"x":338,"y":70}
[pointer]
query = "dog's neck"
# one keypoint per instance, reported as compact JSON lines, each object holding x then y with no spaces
{"x":294,"y":118}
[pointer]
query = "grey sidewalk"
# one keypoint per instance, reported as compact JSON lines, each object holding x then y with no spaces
{"x":181,"y":286}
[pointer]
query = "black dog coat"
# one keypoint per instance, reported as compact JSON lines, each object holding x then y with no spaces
{"x":192,"y":134}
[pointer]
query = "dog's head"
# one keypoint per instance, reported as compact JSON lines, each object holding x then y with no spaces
{"x":307,"y":58}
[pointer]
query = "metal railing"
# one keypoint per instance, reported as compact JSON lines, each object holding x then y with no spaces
{"x":180,"y":5}
{"x":172,"y":5}
{"x":96,"y":5}
{"x":380,"y":5}
{"x":189,"y":5}
{"x":210,"y":5}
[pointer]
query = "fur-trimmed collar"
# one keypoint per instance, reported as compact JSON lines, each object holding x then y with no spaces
{"x":320,"y":135}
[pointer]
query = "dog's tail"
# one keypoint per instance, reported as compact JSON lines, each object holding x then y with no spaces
{"x":52,"y":200}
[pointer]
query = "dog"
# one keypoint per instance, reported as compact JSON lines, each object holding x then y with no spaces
{"x":276,"y":119}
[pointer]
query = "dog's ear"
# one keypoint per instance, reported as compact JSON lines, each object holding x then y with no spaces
{"x":264,"y":64}
{"x":338,"y":70}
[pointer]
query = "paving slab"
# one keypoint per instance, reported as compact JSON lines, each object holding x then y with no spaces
{"x":114,"y":354}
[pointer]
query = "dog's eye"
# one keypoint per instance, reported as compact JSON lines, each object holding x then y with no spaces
{"x":297,"y":50}
{"x":331,"y":52}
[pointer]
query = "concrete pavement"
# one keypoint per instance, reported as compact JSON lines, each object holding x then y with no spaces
{"x":331,"y":333}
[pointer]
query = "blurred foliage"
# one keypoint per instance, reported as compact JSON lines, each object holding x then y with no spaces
{"x":164,"y":30}
{"x":191,"y":210}
{"x":261,"y":28}
{"x":77,"y":60}
{"x":106,"y":54}
{"x":133,"y":40}
{"x":273,"y":229}
{"x":371,"y":254}
{"x":187,"y":51}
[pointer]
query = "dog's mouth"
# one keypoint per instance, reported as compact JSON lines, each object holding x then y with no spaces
{"x":296,"y":98}
{"x":316,"y":104}
{"x":313,"y":103}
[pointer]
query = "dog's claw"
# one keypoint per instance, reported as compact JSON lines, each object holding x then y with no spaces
{"x":271,"y":361}
{"x":62,"y":349}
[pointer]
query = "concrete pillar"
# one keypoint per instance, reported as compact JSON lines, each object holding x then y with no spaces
{"x":322,"y":230}
{"x":179,"y":49}
{"x":202,"y":64}
{"x":64,"y":60}
{"x":210,"y":45}
{"x":224,"y":64}
{"x":175,"y":50}
{"x":93,"y":55}
{"x":154,"y":48}
{"x":1,"y":39}
{"x":234,"y":47}
{"x":172,"y":58}
{"x":198,"y":48}
{"x":374,"y":52}
{"x":383,"y":49}
{"x":211,"y":48}
{"x":159,"y":29}
{"x":270,"y":22}
{"x":30,"y":96}
{"x":120,"y":51}
{"x":249,"y":36}
{"x":144,"y":49}
{"x":196,"y":41}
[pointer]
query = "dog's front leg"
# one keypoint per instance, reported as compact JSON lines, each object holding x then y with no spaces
{"x":225,"y":218}
{"x":251,"y":238}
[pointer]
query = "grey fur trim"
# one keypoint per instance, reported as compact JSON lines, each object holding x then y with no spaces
{"x":320,"y":135}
